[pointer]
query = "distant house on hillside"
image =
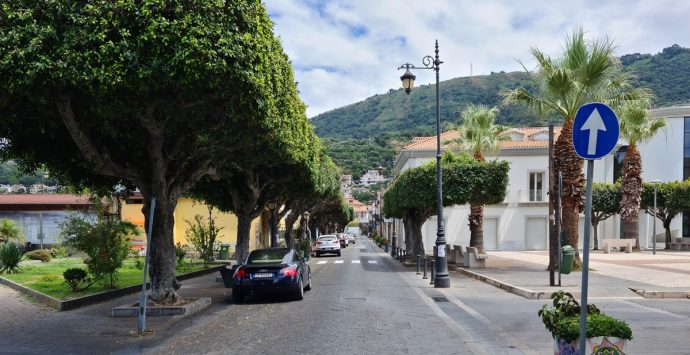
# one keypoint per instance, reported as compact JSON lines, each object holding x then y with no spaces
{"x":371,"y":177}
{"x":346,"y":185}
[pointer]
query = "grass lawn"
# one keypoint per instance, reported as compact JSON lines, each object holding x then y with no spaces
{"x":47,"y":277}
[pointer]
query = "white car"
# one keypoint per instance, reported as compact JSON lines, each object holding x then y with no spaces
{"x":327,"y":243}
{"x":351,"y":238}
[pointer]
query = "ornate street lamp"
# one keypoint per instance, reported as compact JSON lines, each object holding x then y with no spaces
{"x":307,"y":232}
{"x":442,"y":280}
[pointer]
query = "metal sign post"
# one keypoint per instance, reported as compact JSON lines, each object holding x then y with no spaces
{"x":141,"y":326}
{"x":558,"y":224}
{"x":595,"y":134}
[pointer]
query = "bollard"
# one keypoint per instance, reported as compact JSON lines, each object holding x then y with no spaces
{"x":424,"y":277}
{"x":418,"y":273}
{"x":402,"y":255}
{"x":433,"y":274}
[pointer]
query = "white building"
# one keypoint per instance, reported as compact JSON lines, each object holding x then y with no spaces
{"x":371,"y":177}
{"x":346,"y":185}
{"x":521,"y":221}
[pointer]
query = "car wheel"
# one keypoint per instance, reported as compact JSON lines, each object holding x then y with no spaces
{"x":318,"y":254}
{"x":338,"y":252}
{"x":237,"y":296}
{"x":308,"y":287}
{"x":299,"y":294}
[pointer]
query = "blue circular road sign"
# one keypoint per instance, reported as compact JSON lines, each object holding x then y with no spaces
{"x":595,"y":131}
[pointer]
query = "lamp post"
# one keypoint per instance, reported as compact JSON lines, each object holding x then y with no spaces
{"x":305,"y":215}
{"x":656,"y":183}
{"x":274,"y":229}
{"x":440,"y":263}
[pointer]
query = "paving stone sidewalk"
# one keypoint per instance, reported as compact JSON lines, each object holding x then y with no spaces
{"x":664,"y":275}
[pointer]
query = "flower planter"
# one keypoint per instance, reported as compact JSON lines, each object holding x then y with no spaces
{"x":598,"y":345}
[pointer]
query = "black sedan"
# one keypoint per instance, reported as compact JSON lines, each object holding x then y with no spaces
{"x":270,"y":271}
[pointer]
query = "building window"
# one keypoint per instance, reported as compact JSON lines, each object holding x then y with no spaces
{"x":536,"y":186}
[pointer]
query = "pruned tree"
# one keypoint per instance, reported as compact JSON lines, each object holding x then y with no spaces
{"x":672,"y":198}
{"x":412,"y":195}
{"x":153,"y":95}
{"x":635,"y":127}
{"x":479,"y":134}
{"x":606,"y":201}
{"x":586,"y":71}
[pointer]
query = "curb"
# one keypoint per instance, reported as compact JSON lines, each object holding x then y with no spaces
{"x":662,"y":294}
{"x":75,"y":303}
{"x":523,"y":292}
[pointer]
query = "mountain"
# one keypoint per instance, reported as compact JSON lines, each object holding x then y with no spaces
{"x":358,"y":135}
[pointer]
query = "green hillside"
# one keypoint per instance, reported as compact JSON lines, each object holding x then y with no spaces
{"x":359,"y":135}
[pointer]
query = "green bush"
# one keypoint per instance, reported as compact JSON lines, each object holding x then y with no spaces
{"x":564,"y":306}
{"x":180,"y":253}
{"x":77,"y":279}
{"x":59,"y":252}
{"x":41,"y":254}
{"x":10,"y":256}
{"x":104,"y":240}
{"x":598,"y":325}
{"x":202,"y":236}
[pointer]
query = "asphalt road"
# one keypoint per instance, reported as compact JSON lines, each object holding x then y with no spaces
{"x":363,"y":302}
{"x":358,"y":304}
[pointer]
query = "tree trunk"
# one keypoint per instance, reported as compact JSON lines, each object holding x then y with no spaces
{"x":164,"y":285}
{"x":570,"y":165}
{"x":476,"y":224}
{"x":595,"y":224}
{"x":289,"y":223}
{"x":667,"y":228}
{"x":244,"y":227}
{"x":631,"y":189}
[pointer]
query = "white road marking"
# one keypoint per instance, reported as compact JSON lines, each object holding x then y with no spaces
{"x":356,"y":261}
{"x":373,"y":262}
{"x":338,"y":261}
{"x":322,"y":262}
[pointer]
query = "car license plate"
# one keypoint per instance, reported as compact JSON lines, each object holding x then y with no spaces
{"x":259,"y":275}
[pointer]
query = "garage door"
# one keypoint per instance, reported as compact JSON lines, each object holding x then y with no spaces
{"x":491,"y":233}
{"x":535,"y":233}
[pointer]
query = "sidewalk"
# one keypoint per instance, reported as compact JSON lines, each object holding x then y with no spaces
{"x":639,"y":274}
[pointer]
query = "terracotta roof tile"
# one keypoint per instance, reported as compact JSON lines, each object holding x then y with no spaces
{"x":528,"y":141}
{"x":44,"y":199}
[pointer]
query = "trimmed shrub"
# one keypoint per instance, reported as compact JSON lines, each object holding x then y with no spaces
{"x":180,"y":253}
{"x":77,"y":279}
{"x":598,"y":325}
{"x":10,"y":256}
{"x":42,"y":255}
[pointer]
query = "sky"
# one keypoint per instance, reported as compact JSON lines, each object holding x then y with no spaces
{"x":344,"y":51}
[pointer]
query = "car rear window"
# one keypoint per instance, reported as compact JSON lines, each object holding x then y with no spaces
{"x":269,"y":256}
{"x":328,"y":238}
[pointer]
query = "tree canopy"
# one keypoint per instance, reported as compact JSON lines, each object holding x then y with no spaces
{"x":465,"y":180}
{"x":150,"y":94}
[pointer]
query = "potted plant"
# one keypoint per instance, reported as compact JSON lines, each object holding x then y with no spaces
{"x":605,"y":334}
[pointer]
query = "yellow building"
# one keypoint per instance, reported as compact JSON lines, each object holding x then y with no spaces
{"x":185,"y":211}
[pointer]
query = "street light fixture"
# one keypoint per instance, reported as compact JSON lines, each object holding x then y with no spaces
{"x":274,"y":228}
{"x":656,"y":184}
{"x":441,"y":266}
{"x":305,"y":215}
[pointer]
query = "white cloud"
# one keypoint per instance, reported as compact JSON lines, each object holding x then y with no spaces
{"x":347,"y":50}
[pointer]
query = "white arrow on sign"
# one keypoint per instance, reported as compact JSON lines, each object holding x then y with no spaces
{"x":594,"y":124}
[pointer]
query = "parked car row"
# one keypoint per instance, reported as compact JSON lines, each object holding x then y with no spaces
{"x":280,"y":270}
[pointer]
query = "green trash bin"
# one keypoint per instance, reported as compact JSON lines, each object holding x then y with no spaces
{"x":567,"y":259}
{"x":224,"y":251}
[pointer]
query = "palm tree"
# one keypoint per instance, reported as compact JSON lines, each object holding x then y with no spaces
{"x":9,"y":232}
{"x":478,"y":133}
{"x":635,"y":127}
{"x":586,"y":71}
